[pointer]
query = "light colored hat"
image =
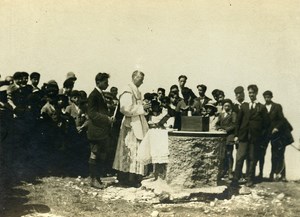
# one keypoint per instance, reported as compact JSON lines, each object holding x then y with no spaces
{"x":71,"y":75}
{"x":212,"y":106}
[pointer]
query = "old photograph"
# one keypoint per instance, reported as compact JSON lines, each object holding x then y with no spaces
{"x":159,"y":108}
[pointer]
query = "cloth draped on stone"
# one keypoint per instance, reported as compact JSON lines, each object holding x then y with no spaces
{"x":133,"y":129}
{"x":154,"y":148}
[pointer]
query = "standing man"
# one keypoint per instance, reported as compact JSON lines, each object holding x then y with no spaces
{"x":133,"y":129}
{"x":251,"y":127}
{"x":98,"y":129}
{"x":182,"y":81}
{"x":239,"y":98}
{"x":226,"y":123}
{"x":279,"y":134}
{"x":202,"y":99}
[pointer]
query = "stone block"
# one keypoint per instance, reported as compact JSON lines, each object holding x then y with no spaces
{"x":195,"y":161}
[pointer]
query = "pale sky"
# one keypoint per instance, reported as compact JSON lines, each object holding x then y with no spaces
{"x":221,"y":43}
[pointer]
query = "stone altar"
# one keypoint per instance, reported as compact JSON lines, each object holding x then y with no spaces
{"x":195,"y":158}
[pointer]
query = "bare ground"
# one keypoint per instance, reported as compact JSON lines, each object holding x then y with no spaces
{"x":71,"y":196}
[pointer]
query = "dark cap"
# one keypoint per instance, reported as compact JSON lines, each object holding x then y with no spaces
{"x":215,"y":92}
{"x":17,"y":75}
{"x":238,"y":89}
{"x":52,"y":82}
{"x":227,"y":101}
{"x":268,"y":93}
{"x":75,"y":93}
{"x":35,"y":75}
{"x":24,"y":74}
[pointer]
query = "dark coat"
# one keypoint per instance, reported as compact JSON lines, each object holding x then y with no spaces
{"x":99,"y":125}
{"x":252,"y":125}
{"x":276,"y":117}
{"x":227,"y":123}
{"x":236,"y":107}
{"x":277,"y":120}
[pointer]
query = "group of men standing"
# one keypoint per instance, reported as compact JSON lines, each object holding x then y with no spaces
{"x":256,"y":125}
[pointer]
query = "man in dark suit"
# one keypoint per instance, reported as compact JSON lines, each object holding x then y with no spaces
{"x":202,"y":99}
{"x":251,"y":127}
{"x":240,"y":97}
{"x":226,"y":123}
{"x":279,"y":133}
{"x":98,"y":129}
{"x":182,"y":81}
{"x":239,"y":100}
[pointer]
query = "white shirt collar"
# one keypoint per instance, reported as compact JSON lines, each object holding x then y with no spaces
{"x":269,"y":107}
{"x":237,"y":102}
{"x":253,"y":103}
{"x":100,"y":91}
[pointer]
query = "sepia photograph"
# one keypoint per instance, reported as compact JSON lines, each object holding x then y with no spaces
{"x":159,"y":108}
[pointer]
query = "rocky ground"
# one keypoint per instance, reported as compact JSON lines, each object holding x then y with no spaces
{"x":66,"y":196}
{"x":55,"y":185}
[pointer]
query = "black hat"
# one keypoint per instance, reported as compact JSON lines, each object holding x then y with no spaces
{"x":215,"y":92}
{"x":227,"y":101}
{"x":238,"y":89}
{"x":82,"y":94}
{"x":24,"y":74}
{"x":268,"y":93}
{"x":75,"y":93}
{"x":35,"y":75}
{"x":148,"y":96}
{"x":17,"y":75}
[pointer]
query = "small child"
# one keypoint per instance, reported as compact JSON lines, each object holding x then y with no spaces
{"x":210,"y":110}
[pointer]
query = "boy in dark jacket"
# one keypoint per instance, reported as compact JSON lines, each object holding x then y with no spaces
{"x":226,"y":122}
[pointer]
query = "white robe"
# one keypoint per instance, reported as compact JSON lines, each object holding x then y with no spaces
{"x":133,"y":129}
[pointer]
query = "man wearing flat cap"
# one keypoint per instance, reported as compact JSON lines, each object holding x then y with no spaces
{"x":279,"y":134}
{"x":18,"y":93}
{"x":226,"y":123}
{"x":17,"y":79}
{"x":240,"y":97}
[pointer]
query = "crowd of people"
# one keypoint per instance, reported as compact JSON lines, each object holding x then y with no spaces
{"x":105,"y":128}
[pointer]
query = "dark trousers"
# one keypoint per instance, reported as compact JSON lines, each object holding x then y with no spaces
{"x":228,"y":160}
{"x":261,"y":158}
{"x":246,"y":151}
{"x":278,"y":150}
{"x":98,"y":158}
